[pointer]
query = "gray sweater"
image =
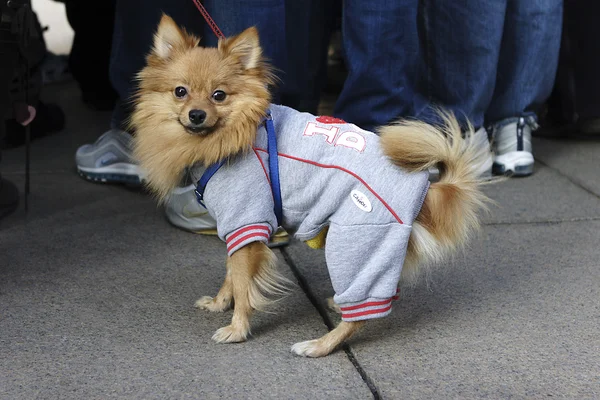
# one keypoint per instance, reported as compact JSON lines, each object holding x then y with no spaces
{"x":332,"y":174}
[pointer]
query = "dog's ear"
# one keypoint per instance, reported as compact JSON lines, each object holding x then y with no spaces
{"x":245,"y":47}
{"x":169,"y":36}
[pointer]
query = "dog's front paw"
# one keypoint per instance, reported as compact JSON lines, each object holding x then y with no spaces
{"x":310,"y":348}
{"x":213,"y":305}
{"x":229,"y":334}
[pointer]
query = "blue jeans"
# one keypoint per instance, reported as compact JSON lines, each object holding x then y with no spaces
{"x":381,"y":50}
{"x":483,"y":60}
{"x":488,"y":61}
{"x":137,"y":20}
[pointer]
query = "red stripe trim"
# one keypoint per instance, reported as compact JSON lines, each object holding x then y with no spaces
{"x":262,"y":165}
{"x":244,"y":238}
{"x":364,"y":305}
{"x":348,"y":172}
{"x":262,"y":227}
{"x":369,"y":312}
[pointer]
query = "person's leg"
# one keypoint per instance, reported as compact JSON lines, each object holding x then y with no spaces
{"x":583,"y":32}
{"x":574,"y":105}
{"x":233,"y":16}
{"x":309,"y":25}
{"x":292,"y":34}
{"x":460,"y":50}
{"x":135,"y":24}
{"x":381,"y":46}
{"x":89,"y":58}
{"x":109,"y":158}
{"x":142,"y":16}
{"x":526,"y":73}
{"x":528,"y":58}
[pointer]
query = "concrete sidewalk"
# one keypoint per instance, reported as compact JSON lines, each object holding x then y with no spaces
{"x":97,"y":293}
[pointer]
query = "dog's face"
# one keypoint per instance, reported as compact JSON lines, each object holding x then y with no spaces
{"x":203,"y":88}
{"x":198,"y":104}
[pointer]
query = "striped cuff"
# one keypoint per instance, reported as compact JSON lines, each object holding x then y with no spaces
{"x":248,"y":234}
{"x":366,"y":309}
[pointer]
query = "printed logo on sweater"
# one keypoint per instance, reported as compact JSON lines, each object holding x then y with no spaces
{"x":349,"y":139}
{"x":361,"y":201}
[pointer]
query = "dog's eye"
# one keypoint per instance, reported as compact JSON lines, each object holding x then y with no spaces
{"x":180,"y":92}
{"x":219,"y":95}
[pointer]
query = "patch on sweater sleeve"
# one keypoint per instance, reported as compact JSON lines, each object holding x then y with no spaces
{"x":247,"y":234}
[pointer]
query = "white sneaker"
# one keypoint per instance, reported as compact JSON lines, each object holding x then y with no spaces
{"x":512,"y":147}
{"x":183,"y":211}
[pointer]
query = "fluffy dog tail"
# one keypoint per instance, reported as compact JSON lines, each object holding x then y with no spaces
{"x":450,"y":211}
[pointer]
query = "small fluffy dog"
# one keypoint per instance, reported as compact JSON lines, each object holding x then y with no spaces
{"x":365,"y":197}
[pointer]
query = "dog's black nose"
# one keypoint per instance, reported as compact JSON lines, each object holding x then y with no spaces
{"x":197,"y":116}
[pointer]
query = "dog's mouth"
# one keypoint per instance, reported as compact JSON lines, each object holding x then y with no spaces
{"x":200,"y":130}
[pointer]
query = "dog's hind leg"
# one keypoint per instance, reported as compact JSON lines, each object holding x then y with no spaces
{"x":223,"y":300}
{"x":326,"y":344}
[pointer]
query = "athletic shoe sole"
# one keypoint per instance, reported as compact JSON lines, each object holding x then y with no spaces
{"x":125,"y":173}
{"x":192,"y":222}
{"x":514,"y":163}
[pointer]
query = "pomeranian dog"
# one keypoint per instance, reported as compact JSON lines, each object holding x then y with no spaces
{"x":365,"y":197}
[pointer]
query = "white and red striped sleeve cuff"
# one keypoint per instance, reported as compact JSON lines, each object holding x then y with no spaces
{"x":366,"y":309}
{"x":247,"y":234}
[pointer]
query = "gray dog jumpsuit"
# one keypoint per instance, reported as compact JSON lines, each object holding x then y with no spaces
{"x":332,"y":175}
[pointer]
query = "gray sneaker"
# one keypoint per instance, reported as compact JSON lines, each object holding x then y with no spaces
{"x":512,"y":147}
{"x":109,"y":160}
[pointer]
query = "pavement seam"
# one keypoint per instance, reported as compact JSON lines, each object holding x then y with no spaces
{"x":303,"y":284}
{"x":569,"y":178}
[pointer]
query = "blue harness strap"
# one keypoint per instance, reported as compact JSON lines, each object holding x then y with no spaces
{"x":201,"y":186}
{"x":273,"y":171}
{"x":274,"y":167}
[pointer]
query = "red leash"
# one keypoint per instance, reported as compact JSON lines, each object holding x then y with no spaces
{"x":211,"y":22}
